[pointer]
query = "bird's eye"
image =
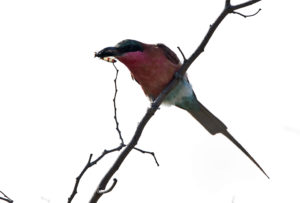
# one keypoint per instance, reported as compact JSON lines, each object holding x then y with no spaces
{"x":124,"y":48}
{"x":128,"y":48}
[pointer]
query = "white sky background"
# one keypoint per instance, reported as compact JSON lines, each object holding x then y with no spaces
{"x":56,"y":102}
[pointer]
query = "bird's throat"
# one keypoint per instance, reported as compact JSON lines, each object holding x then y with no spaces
{"x":132,"y":59}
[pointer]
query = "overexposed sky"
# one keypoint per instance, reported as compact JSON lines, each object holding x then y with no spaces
{"x":56,"y":102}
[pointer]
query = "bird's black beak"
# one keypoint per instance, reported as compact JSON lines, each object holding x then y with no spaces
{"x":109,"y":51}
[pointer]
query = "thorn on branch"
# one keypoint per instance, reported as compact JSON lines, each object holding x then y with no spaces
{"x":183,"y":56}
{"x":246,"y":16}
{"x":101,"y":192}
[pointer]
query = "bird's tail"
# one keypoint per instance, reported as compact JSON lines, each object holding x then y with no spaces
{"x":234,"y":141}
{"x":213,"y":125}
{"x":209,"y":121}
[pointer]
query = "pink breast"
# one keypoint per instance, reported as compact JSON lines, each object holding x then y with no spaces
{"x":152,"y":73}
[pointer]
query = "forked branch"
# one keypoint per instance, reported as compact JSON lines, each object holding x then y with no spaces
{"x":91,"y":163}
{"x":5,"y":198}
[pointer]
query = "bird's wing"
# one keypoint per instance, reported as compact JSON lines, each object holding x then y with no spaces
{"x":169,"y":53}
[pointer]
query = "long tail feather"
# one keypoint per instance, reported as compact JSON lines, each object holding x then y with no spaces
{"x":236,"y":143}
{"x":213,"y":125}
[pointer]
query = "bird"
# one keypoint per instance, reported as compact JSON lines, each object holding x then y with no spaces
{"x":153,"y":66}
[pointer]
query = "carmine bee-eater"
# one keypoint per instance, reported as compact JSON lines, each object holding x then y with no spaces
{"x":153,"y":66}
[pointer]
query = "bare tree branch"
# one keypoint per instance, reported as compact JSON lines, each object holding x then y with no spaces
{"x":155,"y":105}
{"x":105,"y":152}
{"x":88,"y":165}
{"x":147,"y":152}
{"x":247,"y":16}
{"x":117,"y":122}
{"x":242,"y":5}
{"x":115,"y":106}
{"x":6,"y":198}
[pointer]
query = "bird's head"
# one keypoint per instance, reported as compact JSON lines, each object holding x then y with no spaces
{"x":126,"y":50}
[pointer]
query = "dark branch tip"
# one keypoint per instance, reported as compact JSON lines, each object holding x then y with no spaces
{"x":247,"y":16}
{"x":183,"y":56}
{"x":109,"y":189}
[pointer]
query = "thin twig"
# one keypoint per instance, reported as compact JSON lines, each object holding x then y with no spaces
{"x":183,"y":56}
{"x":247,"y":16}
{"x":147,"y":152}
{"x":117,"y":122}
{"x":115,"y":106}
{"x":88,"y":165}
{"x":155,"y":105}
{"x":105,"y":152}
{"x":6,"y":198}
{"x":109,"y":189}
{"x":116,"y":119}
